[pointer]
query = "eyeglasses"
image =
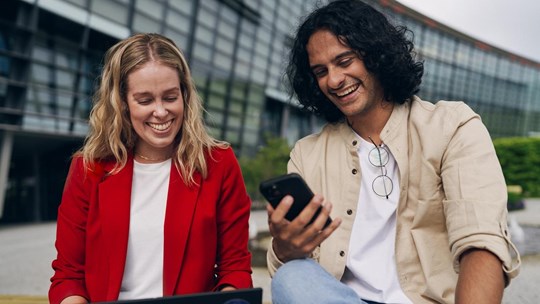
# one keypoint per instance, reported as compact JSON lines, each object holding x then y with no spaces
{"x":382,"y":185}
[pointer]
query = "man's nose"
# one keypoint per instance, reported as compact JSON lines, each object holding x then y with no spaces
{"x":335,"y":79}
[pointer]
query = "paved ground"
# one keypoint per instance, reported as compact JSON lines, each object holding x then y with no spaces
{"x":26,"y":252}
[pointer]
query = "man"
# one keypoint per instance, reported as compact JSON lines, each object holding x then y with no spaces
{"x":415,"y":189}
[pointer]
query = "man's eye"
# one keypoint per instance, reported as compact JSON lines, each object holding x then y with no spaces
{"x":319,"y":73}
{"x":345,"y":62}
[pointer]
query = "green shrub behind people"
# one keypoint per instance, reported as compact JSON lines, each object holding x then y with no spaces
{"x":271,"y":160}
{"x":520,"y":161}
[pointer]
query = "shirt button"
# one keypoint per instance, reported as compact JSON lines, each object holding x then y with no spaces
{"x":354,"y":142}
{"x":342,"y":253}
{"x":354,"y":171}
{"x":349,"y":211}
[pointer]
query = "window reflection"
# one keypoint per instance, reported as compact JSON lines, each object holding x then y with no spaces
{"x":4,"y":60}
{"x":114,"y":10}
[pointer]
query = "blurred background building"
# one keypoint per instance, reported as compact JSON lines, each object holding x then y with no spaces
{"x":51,"y":52}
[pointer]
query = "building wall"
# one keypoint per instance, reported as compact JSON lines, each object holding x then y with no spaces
{"x":50,"y":57}
{"x":502,"y":87}
{"x":51,"y":52}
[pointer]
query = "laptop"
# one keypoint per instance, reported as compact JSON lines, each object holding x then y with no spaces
{"x":239,"y":296}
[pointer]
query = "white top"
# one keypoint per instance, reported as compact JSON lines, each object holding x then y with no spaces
{"x":143,"y":273}
{"x":371,"y":266}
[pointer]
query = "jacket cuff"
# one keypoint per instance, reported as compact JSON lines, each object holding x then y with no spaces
{"x":237,"y":279}
{"x":497,"y":245}
{"x":62,"y":289}
{"x":272,"y":261}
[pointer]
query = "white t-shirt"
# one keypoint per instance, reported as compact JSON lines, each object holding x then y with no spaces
{"x":371,"y":266}
{"x":143,"y":273}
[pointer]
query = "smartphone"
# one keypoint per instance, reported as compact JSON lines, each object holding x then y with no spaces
{"x":291,"y":184}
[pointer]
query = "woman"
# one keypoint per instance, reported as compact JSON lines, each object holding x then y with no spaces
{"x":152,"y":205}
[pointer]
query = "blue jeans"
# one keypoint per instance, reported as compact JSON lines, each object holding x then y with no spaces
{"x":305,"y":281}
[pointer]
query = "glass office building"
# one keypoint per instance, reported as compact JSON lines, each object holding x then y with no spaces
{"x":502,"y":87}
{"x":51,"y":52}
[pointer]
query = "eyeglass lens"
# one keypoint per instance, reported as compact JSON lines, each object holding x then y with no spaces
{"x":382,"y":184}
{"x":378,"y":157}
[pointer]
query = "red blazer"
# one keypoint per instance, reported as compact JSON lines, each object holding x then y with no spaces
{"x":206,"y":231}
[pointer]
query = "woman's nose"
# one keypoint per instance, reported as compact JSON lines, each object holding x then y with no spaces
{"x":160,"y":109}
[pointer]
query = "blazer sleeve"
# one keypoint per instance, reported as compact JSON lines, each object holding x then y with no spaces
{"x":233,"y":259}
{"x":69,"y":265}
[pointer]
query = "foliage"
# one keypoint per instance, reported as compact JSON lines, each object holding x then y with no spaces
{"x":515,"y":201}
{"x":520,"y":161}
{"x":271,"y":160}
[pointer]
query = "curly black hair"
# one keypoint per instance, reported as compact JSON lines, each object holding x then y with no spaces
{"x":385,"y":49}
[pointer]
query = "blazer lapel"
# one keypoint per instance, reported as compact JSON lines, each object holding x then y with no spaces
{"x":181,"y":202}
{"x":114,"y":208}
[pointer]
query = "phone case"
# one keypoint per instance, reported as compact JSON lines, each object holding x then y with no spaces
{"x":291,"y":184}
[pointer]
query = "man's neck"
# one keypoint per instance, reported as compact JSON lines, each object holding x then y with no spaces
{"x":371,"y":124}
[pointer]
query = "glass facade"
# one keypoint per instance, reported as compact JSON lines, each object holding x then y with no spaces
{"x":51,"y":52}
{"x":503,"y":88}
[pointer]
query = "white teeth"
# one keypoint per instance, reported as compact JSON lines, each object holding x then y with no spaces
{"x":347,"y":91}
{"x":160,"y":127}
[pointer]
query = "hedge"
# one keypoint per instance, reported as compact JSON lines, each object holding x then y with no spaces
{"x":520,"y":161}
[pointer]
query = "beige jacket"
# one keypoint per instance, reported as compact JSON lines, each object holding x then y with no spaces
{"x":452,"y":194}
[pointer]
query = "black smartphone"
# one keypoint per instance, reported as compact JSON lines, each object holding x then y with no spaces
{"x":291,"y":184}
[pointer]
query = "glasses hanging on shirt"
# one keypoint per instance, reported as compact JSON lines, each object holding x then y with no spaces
{"x":382,"y":185}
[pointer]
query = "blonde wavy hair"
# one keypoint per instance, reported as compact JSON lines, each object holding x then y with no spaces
{"x":112,"y":137}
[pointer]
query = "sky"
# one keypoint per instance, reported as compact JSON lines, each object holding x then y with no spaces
{"x":511,"y":25}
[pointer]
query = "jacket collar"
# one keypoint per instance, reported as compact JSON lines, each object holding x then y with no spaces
{"x":114,"y":196}
{"x":114,"y":199}
{"x":181,"y":203}
{"x":394,"y":135}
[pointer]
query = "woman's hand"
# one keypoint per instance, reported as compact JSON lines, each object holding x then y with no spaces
{"x":227,"y":288}
{"x":295,"y":240}
{"x":74,"y":300}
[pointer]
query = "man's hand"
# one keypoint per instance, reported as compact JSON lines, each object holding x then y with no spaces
{"x":295,"y":240}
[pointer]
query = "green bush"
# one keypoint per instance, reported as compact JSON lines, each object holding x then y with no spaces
{"x":515,"y":201}
{"x":271,"y":160}
{"x":520,"y":162}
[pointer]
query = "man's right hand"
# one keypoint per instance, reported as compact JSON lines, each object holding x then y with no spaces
{"x":293,"y":239}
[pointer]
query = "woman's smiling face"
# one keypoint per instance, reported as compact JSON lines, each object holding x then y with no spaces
{"x":156,"y":108}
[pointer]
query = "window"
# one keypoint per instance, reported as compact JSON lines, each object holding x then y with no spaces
{"x":111,"y":9}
